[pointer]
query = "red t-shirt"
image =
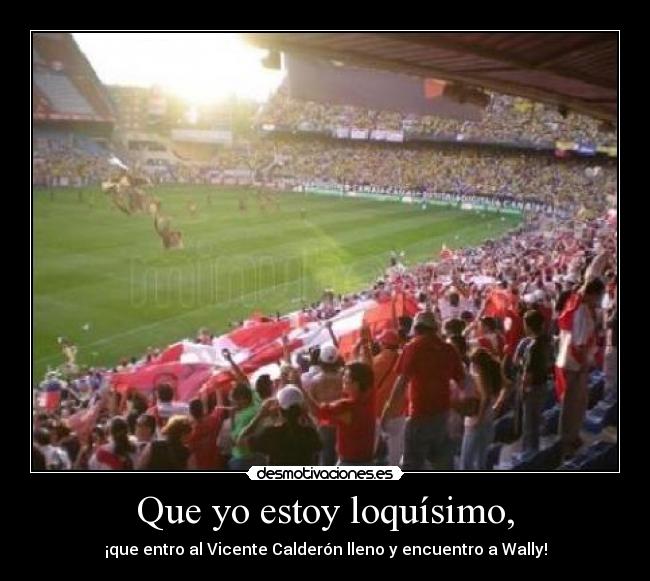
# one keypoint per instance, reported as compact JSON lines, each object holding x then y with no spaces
{"x":429,"y":364}
{"x":355,"y":440}
{"x":202,"y":441}
{"x":384,"y":366}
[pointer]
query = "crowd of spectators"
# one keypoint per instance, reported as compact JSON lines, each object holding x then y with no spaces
{"x":506,"y":119}
{"x":291,"y":162}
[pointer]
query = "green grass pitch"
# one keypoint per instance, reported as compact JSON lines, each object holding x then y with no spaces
{"x":102,"y":279}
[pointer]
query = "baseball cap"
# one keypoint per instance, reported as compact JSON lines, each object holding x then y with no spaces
{"x":388,"y":338}
{"x":329,"y":354}
{"x":289,"y":396}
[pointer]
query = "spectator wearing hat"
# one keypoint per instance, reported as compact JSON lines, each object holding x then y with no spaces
{"x":426,"y":367}
{"x":326,"y":386}
{"x":294,"y":440}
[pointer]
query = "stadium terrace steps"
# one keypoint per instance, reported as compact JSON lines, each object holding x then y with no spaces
{"x":604,"y":414}
{"x":599,"y":428}
{"x":62,"y":94}
{"x":600,"y":455}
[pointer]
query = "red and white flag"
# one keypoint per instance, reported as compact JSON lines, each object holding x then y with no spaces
{"x":258,"y":343}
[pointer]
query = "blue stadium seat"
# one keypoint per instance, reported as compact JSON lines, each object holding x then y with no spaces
{"x":551,"y":421}
{"x":547,"y":459}
{"x":602,"y":415}
{"x":90,"y":146}
{"x":62,"y":93}
{"x":596,"y":376}
{"x":596,"y":388}
{"x":598,"y":456}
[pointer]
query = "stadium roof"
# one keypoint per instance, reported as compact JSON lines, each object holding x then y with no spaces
{"x":578,"y":70}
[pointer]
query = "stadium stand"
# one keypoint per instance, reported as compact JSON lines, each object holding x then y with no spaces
{"x":62,"y":94}
{"x":568,"y":279}
{"x":507,"y":119}
{"x":65,"y":77}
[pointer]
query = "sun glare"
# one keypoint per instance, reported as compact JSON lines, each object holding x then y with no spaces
{"x":200,"y":67}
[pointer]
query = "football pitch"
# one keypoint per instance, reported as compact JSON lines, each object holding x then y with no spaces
{"x":102,"y":279}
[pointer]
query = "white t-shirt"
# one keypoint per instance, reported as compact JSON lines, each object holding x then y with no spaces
{"x":56,"y":458}
{"x":447,"y":311}
{"x":582,"y":332}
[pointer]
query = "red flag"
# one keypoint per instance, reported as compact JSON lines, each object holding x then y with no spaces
{"x":186,"y":378}
{"x":433,"y":88}
{"x":499,"y":303}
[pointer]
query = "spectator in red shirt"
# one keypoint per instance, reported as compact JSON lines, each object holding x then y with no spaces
{"x":385,"y":369}
{"x":426,"y":367}
{"x":202,"y":441}
{"x":353,"y":415}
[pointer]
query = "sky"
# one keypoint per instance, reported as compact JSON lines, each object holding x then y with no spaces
{"x":199,"y":67}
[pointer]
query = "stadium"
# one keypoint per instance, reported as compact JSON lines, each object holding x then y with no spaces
{"x":400,"y":251}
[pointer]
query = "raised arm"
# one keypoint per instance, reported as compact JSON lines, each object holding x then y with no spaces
{"x":286,"y":353}
{"x":328,"y":326}
{"x":366,"y":342}
{"x":240,"y":376}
